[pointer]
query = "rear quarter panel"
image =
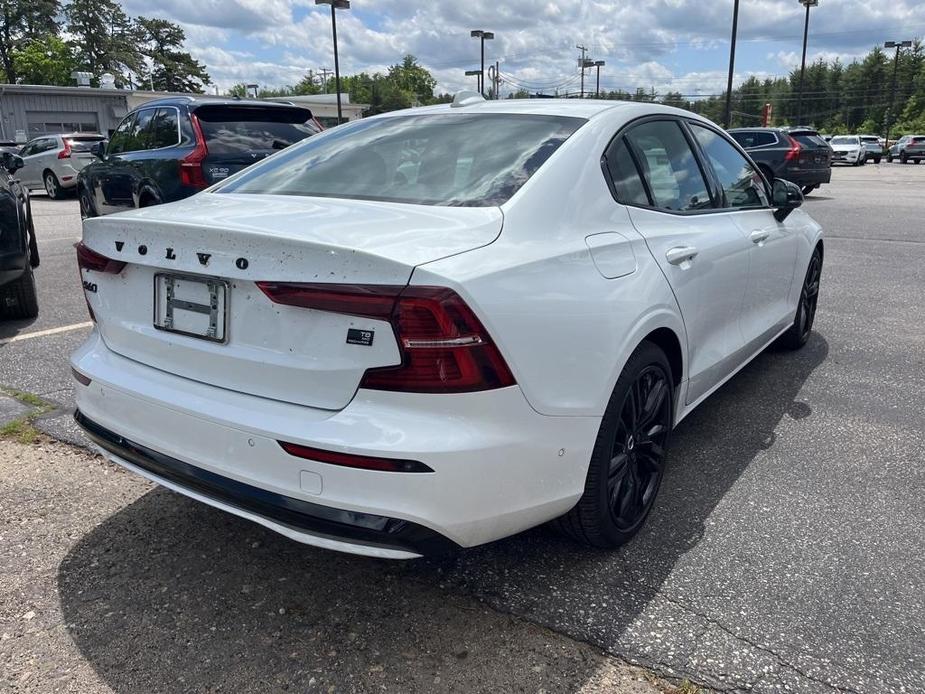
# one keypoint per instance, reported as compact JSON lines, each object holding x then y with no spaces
{"x":565,"y":330}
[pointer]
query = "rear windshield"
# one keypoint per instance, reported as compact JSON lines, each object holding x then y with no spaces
{"x":810,"y":139}
{"x":471,"y":160}
{"x":869,"y":138}
{"x":844,"y":140}
{"x":83,"y":143}
{"x":238,"y":129}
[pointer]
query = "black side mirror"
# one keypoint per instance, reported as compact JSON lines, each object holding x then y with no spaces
{"x":12,"y":162}
{"x":785,"y":197}
{"x":98,"y":149}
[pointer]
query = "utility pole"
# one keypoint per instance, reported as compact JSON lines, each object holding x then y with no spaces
{"x":727,"y":114}
{"x":324,"y":79}
{"x":889,"y":114}
{"x":808,"y":3}
{"x":581,"y":64}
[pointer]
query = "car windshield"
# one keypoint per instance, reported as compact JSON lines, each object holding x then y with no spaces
{"x":844,"y":140}
{"x":471,"y":160}
{"x":244,"y":129}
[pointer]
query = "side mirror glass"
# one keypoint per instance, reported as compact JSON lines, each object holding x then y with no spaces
{"x":12,"y":162}
{"x":786,"y":197}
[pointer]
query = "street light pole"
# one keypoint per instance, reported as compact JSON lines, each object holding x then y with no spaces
{"x":727,"y":114}
{"x":808,"y":4}
{"x":336,"y":5}
{"x":889,"y":114}
{"x":483,"y":36}
{"x":476,"y":74}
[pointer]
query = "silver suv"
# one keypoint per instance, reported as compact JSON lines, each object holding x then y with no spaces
{"x":874,"y":149}
{"x":52,"y":161}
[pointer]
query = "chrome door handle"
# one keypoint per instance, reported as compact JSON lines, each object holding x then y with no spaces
{"x":759,"y":235}
{"x":679,"y":254}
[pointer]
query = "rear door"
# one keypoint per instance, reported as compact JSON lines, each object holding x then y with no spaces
{"x":238,"y":136}
{"x":120,"y":184}
{"x":701,"y":251}
{"x":34,"y":156}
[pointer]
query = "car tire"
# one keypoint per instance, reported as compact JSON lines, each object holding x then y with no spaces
{"x":767,"y":173}
{"x":889,"y":159}
{"x":809,"y":189}
{"x":903,"y":158}
{"x":19,"y":299}
{"x":877,"y":160}
{"x":52,"y":186}
{"x":798,"y":333}
{"x":628,"y":459}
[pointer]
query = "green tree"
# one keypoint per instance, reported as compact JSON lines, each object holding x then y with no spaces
{"x":409,"y":76}
{"x":171,"y":69}
{"x":48,"y":60}
{"x":24,"y":21}
{"x":105,"y":39}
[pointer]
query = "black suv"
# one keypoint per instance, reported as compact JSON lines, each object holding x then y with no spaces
{"x":799,"y":155}
{"x":19,"y":254}
{"x":170,"y":148}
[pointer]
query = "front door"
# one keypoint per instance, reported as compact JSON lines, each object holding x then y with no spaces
{"x":701,"y":251}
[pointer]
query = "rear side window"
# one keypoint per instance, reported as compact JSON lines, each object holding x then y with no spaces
{"x":669,"y":167}
{"x":236,"y":130}
{"x":625,"y":175}
{"x":742,"y":185}
{"x":164,"y":129}
{"x":470,"y":160}
{"x":754,"y":139}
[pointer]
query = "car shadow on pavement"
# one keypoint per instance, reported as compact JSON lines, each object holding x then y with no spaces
{"x":11,"y":328}
{"x":168,"y":595}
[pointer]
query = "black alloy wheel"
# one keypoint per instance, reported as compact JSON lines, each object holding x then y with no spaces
{"x":637,"y":455}
{"x":799,"y":332}
{"x":628,"y":460}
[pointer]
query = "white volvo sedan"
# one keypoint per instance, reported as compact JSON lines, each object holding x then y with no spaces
{"x":438,"y":327}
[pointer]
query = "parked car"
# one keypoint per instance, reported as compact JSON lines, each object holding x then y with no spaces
{"x":9,"y":146}
{"x":908,"y":148}
{"x":396,"y":360}
{"x":800,"y":155}
{"x":874,"y":149}
{"x":847,"y":149}
{"x":170,"y":148}
{"x":19,"y":254}
{"x":52,"y":162}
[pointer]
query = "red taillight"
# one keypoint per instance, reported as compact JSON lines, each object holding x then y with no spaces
{"x":794,"y":151}
{"x":66,"y":152}
{"x":191,"y":165}
{"x":444,"y":346}
{"x":364,"y":462}
{"x":91,"y":260}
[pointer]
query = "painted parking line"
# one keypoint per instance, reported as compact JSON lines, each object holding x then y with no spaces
{"x":49,"y":331}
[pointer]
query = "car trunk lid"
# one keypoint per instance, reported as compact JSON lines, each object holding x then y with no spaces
{"x":210,"y":250}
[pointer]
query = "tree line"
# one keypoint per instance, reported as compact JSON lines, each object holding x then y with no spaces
{"x":403,"y":85}
{"x":44,"y":41}
{"x":837,"y":98}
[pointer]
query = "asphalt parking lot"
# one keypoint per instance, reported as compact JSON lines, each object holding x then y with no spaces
{"x":786,"y":551}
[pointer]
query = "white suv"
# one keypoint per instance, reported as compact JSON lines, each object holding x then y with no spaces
{"x":53,"y":161}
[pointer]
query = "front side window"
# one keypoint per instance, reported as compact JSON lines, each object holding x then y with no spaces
{"x":120,"y":138}
{"x":471,"y":160}
{"x":742,"y":185}
{"x":669,"y":166}
{"x":138,"y":135}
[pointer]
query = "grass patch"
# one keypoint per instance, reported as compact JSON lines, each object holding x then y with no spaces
{"x":686,"y":687}
{"x":22,"y":429}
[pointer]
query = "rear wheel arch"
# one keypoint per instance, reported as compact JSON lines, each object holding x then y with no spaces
{"x":667,"y":340}
{"x":147,"y":196}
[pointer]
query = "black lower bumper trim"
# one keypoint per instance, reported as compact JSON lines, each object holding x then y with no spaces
{"x":332,"y":523}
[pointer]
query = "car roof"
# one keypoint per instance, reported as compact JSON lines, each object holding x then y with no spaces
{"x":576,"y":108}
{"x":196,"y":100}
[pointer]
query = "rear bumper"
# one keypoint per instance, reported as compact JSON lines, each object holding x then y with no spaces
{"x":811,"y":177}
{"x":499,"y":467}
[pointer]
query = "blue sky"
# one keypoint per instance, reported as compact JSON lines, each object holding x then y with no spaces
{"x":681,"y":45}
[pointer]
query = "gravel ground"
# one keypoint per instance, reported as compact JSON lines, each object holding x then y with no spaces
{"x":103,"y":587}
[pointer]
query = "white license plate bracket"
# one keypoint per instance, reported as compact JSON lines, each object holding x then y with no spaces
{"x":191,"y":305}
